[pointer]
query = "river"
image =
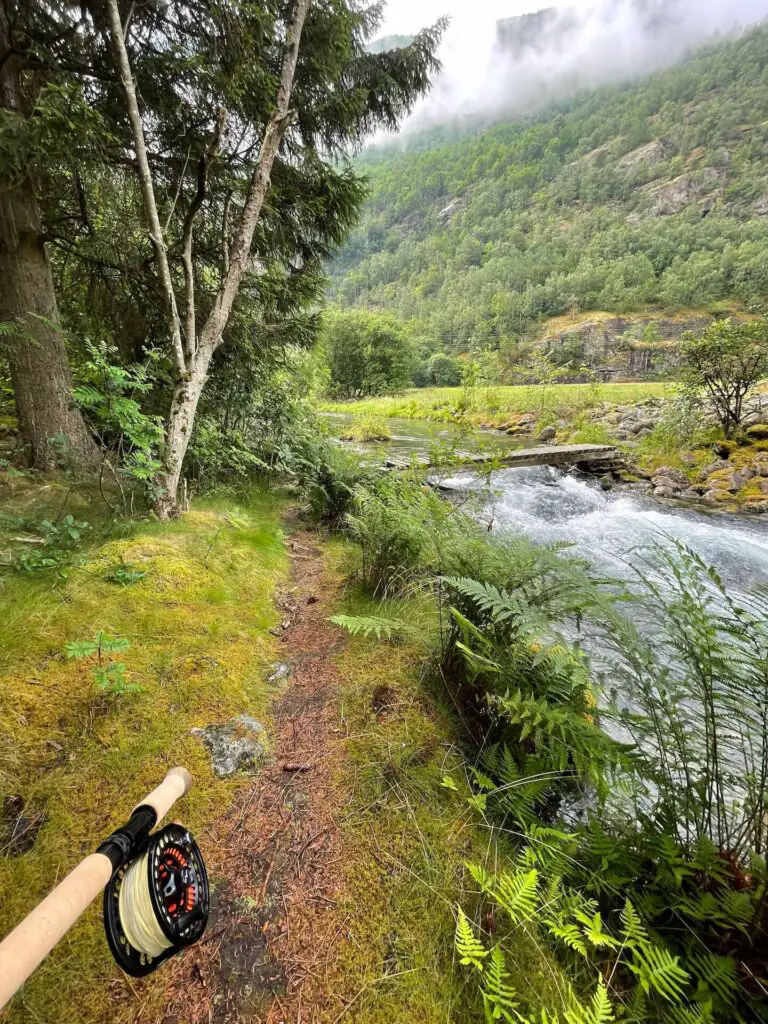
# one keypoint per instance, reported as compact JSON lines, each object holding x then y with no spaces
{"x":607,"y":527}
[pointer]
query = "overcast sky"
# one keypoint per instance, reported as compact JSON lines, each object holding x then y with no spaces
{"x":606,"y":40}
{"x":410,"y":15}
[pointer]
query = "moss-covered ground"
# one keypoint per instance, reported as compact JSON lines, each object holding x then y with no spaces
{"x":198,"y":622}
{"x":412,"y":835}
{"x":80,"y":758}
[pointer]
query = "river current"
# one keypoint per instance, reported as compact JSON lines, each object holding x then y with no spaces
{"x":610,"y":527}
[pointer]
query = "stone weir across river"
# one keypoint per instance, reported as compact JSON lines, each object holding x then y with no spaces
{"x":591,"y":458}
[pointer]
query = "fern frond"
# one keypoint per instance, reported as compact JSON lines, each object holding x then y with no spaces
{"x":373,"y":626}
{"x":593,"y":930}
{"x":498,"y":995}
{"x":517,"y":893}
{"x":568,"y":933}
{"x":715,"y":973}
{"x":471,"y":951}
{"x":659,"y":971}
{"x":600,"y":1010}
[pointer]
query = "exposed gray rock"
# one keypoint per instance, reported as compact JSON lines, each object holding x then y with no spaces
{"x":677,"y":476}
{"x":717,"y":496}
{"x":713,"y":467}
{"x":547,"y":434}
{"x":673,"y":196}
{"x":690,"y":494}
{"x":279,"y":671}
{"x":665,"y":492}
{"x":743,"y":477}
{"x":645,"y":156}
{"x":455,"y":206}
{"x":236,"y":745}
{"x":606,"y":481}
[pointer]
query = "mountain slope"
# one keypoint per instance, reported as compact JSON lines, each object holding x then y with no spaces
{"x":625,"y":198}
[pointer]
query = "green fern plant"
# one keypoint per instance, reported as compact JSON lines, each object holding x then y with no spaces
{"x":471,"y":951}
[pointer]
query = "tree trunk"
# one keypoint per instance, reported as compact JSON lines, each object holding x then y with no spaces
{"x":40,"y":374}
{"x":180,"y":423}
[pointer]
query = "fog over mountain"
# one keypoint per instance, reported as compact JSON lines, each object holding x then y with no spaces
{"x":520,"y":63}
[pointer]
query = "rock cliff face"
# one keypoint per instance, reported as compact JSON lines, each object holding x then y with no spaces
{"x":619,"y":347}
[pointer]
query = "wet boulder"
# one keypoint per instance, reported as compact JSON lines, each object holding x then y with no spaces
{"x":713,"y":467}
{"x":676,"y":477}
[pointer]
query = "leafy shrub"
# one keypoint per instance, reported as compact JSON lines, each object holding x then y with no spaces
{"x":329,"y":477}
{"x":61,"y":539}
{"x":109,"y":395}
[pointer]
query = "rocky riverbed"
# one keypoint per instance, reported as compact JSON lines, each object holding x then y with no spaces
{"x":728,"y":474}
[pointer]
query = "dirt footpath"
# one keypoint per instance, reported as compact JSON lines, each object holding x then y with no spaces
{"x":274,"y":857}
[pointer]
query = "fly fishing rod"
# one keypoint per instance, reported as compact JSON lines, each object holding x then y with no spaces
{"x":155,"y":895}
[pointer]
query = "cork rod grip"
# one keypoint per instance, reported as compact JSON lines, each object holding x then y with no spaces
{"x":174,"y":786}
{"x":30,"y":942}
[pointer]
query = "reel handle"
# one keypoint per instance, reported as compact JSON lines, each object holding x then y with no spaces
{"x":24,"y":949}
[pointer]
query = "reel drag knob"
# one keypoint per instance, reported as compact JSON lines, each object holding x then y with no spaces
{"x":158,"y":903}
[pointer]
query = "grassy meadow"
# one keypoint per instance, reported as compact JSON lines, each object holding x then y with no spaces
{"x":496,"y":406}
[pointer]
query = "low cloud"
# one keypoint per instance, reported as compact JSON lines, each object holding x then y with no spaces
{"x":518,"y":65}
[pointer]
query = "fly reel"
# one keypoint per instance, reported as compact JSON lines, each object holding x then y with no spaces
{"x":155,"y":895}
{"x":157,"y":903}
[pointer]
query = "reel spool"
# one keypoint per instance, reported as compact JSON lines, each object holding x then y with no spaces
{"x":157,"y":903}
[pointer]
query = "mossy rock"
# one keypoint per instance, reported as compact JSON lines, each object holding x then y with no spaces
{"x":757,"y":432}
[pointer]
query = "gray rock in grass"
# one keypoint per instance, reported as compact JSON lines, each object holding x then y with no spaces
{"x":237,"y":745}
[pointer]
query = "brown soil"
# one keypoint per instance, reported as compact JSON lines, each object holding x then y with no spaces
{"x":275,"y":856}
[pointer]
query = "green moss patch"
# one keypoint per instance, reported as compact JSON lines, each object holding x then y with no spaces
{"x":197,"y":623}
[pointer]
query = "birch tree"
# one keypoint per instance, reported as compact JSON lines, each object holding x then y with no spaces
{"x":323,"y":103}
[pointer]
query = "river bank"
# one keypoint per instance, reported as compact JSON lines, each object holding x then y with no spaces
{"x":674,"y":453}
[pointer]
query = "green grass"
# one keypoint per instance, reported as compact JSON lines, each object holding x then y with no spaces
{"x":411,"y":837}
{"x":367,"y":428}
{"x":497,"y":406}
{"x":199,"y":647}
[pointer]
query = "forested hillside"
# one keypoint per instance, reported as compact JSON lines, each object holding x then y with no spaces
{"x":626,"y":197}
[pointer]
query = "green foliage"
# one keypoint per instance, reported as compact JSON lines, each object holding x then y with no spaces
{"x":109,"y":676}
{"x":573,"y":920}
{"x":372,"y":626}
{"x":547,"y":203}
{"x":470,"y":950}
{"x":124,"y":575}
{"x":726,"y":361}
{"x":110,"y":396}
{"x":368,"y":354}
{"x":499,"y":1000}
{"x":443,"y":371}
{"x":368,"y":428}
{"x":61,"y":539}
